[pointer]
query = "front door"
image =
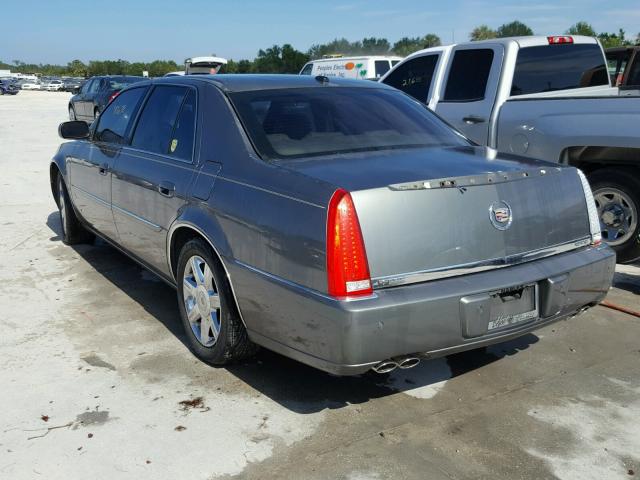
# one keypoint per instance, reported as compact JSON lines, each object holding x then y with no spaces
{"x":470,"y":89}
{"x":90,"y":171}
{"x":152,"y":176}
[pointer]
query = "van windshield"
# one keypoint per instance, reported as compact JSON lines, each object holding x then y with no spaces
{"x":301,"y":122}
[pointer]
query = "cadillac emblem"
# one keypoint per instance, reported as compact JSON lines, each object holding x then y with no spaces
{"x":500,"y":215}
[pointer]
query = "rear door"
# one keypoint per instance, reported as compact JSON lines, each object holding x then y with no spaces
{"x":90,"y":175}
{"x":79,"y":104}
{"x":152,"y":176}
{"x":470,"y":88}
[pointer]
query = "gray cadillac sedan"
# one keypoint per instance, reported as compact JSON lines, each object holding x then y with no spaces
{"x":337,"y":222}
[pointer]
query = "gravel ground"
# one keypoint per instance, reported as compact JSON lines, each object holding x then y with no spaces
{"x":96,"y":381}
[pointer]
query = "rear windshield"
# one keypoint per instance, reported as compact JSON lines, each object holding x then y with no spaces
{"x":301,"y":122}
{"x":558,"y":67}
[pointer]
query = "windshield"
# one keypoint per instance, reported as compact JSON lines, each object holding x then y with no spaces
{"x":300,"y":122}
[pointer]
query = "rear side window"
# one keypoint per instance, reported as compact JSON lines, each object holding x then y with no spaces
{"x":382,"y":67}
{"x":558,"y":67}
{"x":159,"y":129}
{"x":181,"y":142}
{"x":468,"y":75}
{"x":634,"y":74}
{"x":307,"y":69}
{"x":414,"y":77}
{"x":115,"y":120}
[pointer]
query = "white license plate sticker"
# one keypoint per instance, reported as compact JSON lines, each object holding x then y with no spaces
{"x":513,"y":306}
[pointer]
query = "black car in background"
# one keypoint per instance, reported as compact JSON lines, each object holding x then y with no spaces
{"x":8,"y":87}
{"x":73,"y":85}
{"x":96,"y":94}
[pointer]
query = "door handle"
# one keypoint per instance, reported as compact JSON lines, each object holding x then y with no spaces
{"x":103,"y":169}
{"x":473,"y":119}
{"x":166,"y":189}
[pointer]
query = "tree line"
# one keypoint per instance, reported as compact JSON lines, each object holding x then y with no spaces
{"x":287,"y":59}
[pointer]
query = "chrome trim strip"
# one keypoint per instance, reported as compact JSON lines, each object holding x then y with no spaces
{"x":476,"y":267}
{"x":146,"y":222}
{"x":92,"y":196}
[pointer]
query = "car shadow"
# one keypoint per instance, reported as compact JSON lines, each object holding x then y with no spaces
{"x":271,"y":373}
{"x":143,"y":287}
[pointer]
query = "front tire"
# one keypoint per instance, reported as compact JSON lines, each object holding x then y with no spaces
{"x":617,"y":195}
{"x":72,"y":230}
{"x":209,"y":314}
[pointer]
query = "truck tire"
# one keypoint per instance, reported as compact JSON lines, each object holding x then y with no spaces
{"x":617,"y":195}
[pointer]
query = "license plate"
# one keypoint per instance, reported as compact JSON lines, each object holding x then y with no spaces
{"x":513,"y":305}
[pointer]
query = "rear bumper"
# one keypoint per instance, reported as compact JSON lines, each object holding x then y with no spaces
{"x":428,"y":319}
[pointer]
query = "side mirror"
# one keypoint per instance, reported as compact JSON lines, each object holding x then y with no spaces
{"x":74,"y":130}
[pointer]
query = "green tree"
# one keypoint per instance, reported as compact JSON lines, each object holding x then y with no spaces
{"x":582,"y":28}
{"x":276,"y":59}
{"x":375,"y":46}
{"x":483,"y":32}
{"x":514,"y":29}
{"x":408,"y":45}
{"x":610,"y":40}
{"x":76,"y":68}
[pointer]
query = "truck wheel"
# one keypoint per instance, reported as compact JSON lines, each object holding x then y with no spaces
{"x":210,"y":318}
{"x":72,"y":230}
{"x":617,"y":195}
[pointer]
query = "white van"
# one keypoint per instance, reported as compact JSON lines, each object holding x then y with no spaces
{"x":363,"y":68}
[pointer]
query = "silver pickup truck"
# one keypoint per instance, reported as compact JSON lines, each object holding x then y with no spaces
{"x":542,"y":97}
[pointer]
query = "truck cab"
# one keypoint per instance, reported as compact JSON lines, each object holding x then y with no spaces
{"x":548,"y":98}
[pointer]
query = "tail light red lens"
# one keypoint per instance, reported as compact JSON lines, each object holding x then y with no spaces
{"x":113,"y":96}
{"x":347,"y":266}
{"x":558,"y":39}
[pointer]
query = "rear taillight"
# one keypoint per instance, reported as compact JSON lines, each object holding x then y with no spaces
{"x":558,"y":39}
{"x":347,"y":266}
{"x":113,"y":96}
{"x":594,"y":218}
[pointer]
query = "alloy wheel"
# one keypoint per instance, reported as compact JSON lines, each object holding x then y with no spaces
{"x":201,"y":301}
{"x":618,"y":215}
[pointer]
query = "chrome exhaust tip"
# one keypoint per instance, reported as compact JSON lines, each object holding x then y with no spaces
{"x":407,"y":362}
{"x":385,"y":366}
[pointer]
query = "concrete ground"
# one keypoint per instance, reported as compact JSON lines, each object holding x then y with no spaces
{"x":96,"y":381}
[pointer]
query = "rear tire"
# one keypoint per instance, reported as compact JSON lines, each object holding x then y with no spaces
{"x":210,"y":318}
{"x":72,"y":230}
{"x":617,"y":195}
{"x":96,"y":114}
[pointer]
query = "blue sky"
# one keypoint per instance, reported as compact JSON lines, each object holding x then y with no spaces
{"x":142,"y":30}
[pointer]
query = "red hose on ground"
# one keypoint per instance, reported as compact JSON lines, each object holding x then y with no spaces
{"x":619,"y":308}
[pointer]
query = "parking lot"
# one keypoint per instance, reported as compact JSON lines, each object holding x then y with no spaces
{"x":97,"y":382}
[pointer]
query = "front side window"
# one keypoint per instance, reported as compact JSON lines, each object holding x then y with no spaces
{"x":307,"y":69}
{"x":414,"y":77}
{"x":382,"y":67}
{"x":116,"y":119}
{"x":87,"y":86}
{"x":159,"y":129}
{"x":549,"y":68}
{"x":304,"y":122}
{"x":468,"y":75}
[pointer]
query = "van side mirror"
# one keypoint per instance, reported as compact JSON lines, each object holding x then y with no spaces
{"x":74,"y":130}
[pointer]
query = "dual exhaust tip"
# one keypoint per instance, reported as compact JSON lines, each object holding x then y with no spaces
{"x":391,"y":364}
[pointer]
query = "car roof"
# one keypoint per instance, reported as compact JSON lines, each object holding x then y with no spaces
{"x":229,"y":82}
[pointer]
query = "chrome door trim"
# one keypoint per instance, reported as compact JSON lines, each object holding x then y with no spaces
{"x":476,"y":267}
{"x":144,"y":221}
{"x":93,"y":197}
